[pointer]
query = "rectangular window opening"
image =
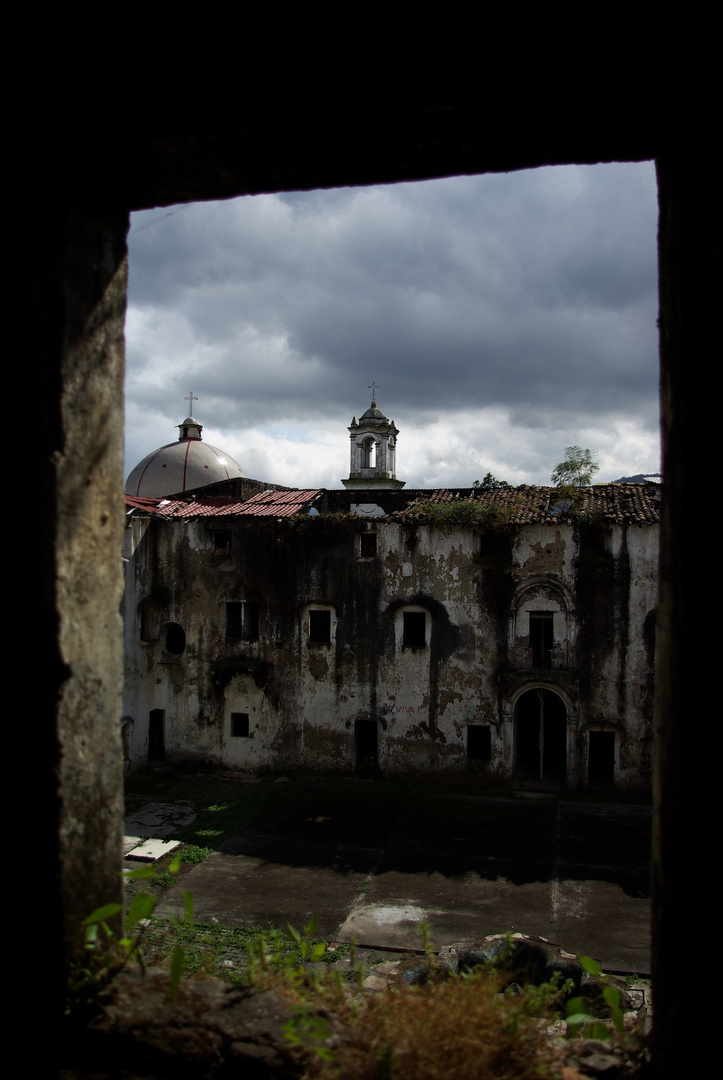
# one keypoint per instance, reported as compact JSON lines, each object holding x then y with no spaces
{"x":149,"y":623}
{"x":368,"y":545}
{"x":541,"y":639}
{"x":320,"y":627}
{"x":239,"y":725}
{"x":479,"y":742}
{"x":415,"y":629}
{"x":242,"y":620}
{"x":222,"y":542}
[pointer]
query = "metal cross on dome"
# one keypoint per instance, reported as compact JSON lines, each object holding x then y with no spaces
{"x":373,"y":386}
{"x":190,"y":399}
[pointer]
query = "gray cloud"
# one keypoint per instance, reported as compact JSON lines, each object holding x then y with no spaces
{"x":532,"y":294}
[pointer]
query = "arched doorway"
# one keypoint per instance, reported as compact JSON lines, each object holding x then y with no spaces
{"x":540,"y":737}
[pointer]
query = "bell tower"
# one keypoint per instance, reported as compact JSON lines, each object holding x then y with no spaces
{"x":373,"y":451}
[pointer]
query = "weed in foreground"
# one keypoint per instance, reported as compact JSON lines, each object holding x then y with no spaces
{"x":464,"y":1024}
{"x":461,"y":1022}
{"x":106,"y":953}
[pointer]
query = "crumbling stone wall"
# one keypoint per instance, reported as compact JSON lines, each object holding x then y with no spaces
{"x":303,"y":698}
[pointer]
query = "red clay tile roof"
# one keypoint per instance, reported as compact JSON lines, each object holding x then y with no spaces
{"x":637,"y":504}
{"x":266,"y":504}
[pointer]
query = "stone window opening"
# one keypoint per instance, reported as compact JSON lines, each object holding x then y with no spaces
{"x":319,"y":627}
{"x":242,"y":620}
{"x":174,"y":639}
{"x":541,"y":639}
{"x":368,"y":545}
{"x":240,"y":726}
{"x":414,"y":635}
{"x":369,"y":453}
{"x":222,"y":542}
{"x":149,"y":622}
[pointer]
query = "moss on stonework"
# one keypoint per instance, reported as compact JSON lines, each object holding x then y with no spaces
{"x":227,"y":669}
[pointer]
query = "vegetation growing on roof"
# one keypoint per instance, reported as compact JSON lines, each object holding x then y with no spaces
{"x":453,"y":514}
{"x":578,"y":467}
{"x":491,"y":483}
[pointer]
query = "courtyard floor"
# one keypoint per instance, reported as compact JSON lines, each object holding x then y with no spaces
{"x":373,"y":859}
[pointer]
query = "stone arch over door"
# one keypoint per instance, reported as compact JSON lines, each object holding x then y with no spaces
{"x":542,"y":627}
{"x":541,"y":736}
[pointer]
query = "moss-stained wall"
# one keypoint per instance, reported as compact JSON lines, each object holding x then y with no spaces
{"x":422,"y":638}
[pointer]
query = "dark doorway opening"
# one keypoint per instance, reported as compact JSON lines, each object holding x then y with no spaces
{"x":367,"y":747}
{"x":541,"y":639}
{"x":156,"y":739}
{"x":601,"y":758}
{"x":541,"y":738}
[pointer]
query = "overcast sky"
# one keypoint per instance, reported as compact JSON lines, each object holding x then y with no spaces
{"x":503,"y":318}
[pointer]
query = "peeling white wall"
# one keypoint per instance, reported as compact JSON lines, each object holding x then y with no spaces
{"x":305,"y":698}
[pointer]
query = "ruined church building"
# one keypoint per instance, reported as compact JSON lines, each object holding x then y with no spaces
{"x":508,"y":634}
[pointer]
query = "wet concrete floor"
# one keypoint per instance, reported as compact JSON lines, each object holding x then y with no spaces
{"x":372,"y":861}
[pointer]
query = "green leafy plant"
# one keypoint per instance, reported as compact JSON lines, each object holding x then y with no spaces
{"x":308,"y":1029}
{"x":107,"y":954}
{"x":491,"y":483}
{"x":580,"y":1020}
{"x":283,"y":960}
{"x":453,"y":514}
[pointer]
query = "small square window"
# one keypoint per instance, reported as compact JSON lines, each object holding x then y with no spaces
{"x":239,"y":725}
{"x":368,"y":545}
{"x":320,"y":627}
{"x":415,"y":629}
{"x":222,"y":542}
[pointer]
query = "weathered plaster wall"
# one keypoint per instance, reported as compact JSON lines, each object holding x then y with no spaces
{"x":87,"y":519}
{"x":471,"y":594}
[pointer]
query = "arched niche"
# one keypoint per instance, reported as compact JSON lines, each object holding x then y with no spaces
{"x":542,"y":627}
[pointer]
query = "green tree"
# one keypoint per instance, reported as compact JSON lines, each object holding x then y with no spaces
{"x":491,"y":483}
{"x":577,"y":468}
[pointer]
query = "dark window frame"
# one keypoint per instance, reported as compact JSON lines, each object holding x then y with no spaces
{"x":368,"y":541}
{"x":412,"y":623}
{"x":240,"y":725}
{"x":242,"y":620}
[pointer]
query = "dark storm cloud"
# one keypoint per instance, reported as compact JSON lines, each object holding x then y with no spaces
{"x":534,"y":293}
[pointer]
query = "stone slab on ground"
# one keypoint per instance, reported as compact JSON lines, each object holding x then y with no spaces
{"x":152,"y":850}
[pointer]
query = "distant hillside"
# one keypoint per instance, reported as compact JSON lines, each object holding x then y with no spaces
{"x":653,"y":477}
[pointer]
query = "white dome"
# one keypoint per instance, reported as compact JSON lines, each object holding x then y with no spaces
{"x":181,"y":466}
